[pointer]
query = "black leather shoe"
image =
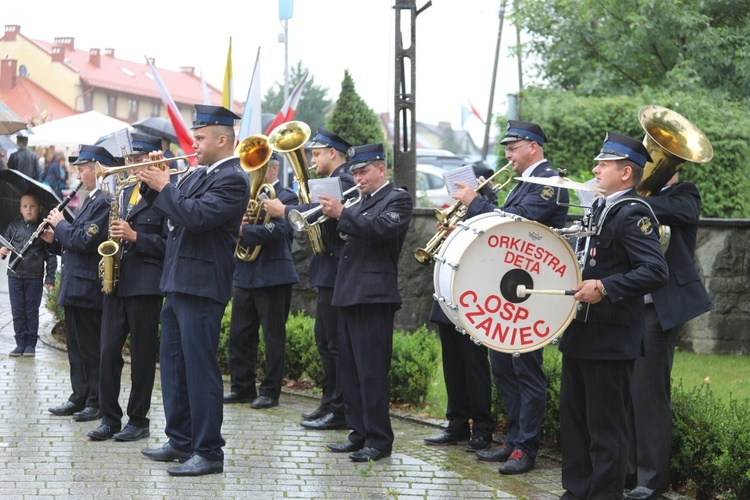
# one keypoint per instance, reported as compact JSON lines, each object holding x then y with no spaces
{"x":166,"y":453}
{"x":518,"y":463}
{"x":347,"y":447}
{"x":87,"y":414}
{"x":318,"y":412}
{"x":327,"y":422}
{"x":263,"y":402}
{"x":197,"y":466}
{"x":643,"y":493}
{"x":501,"y":454}
{"x":65,"y":410}
{"x":366,"y":454}
{"x":478,"y":443}
{"x":132,"y":433}
{"x":446,"y":438}
{"x":102,"y":433}
{"x":233,"y":397}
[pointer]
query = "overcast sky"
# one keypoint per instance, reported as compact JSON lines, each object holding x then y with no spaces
{"x":455,"y":50}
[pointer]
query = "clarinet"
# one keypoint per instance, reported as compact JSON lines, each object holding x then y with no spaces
{"x":13,"y":265}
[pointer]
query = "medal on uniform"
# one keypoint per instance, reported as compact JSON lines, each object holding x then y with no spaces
{"x":592,"y":260}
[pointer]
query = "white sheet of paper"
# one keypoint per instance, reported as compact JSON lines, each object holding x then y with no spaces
{"x":463,"y":174}
{"x":329,"y":186}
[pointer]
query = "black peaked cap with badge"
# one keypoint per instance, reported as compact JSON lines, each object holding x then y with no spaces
{"x":520,"y":131}
{"x":88,"y":154}
{"x":360,"y":156}
{"x":327,"y":139}
{"x":621,"y":147}
{"x":206,"y":115}
{"x":144,"y":143}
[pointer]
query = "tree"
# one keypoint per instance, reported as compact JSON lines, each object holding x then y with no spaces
{"x":313,"y":104}
{"x":605,"y":47}
{"x":352,"y":119}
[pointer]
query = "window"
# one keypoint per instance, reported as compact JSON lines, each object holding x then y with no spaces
{"x":132,"y":109}
{"x":111,"y":109}
{"x":155,"y":109}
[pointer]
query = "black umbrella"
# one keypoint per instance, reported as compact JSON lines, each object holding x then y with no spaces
{"x":13,"y":185}
{"x":158,"y":126}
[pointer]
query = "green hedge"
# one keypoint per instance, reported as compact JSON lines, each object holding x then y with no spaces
{"x":576,"y":127}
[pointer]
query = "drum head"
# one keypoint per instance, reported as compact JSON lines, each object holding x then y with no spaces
{"x":479,"y":268}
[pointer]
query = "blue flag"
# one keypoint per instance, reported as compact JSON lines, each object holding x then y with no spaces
{"x":286,"y":9}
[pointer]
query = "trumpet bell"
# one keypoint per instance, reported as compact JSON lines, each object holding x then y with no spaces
{"x":671,"y":140}
{"x":253,"y":152}
{"x":289,"y":136}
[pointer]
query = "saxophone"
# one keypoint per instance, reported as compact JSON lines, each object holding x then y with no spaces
{"x":109,"y":265}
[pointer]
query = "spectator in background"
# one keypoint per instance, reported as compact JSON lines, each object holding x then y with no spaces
{"x":23,"y":160}
{"x":52,"y":175}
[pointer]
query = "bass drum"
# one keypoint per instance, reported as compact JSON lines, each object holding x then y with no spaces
{"x":477,"y":272}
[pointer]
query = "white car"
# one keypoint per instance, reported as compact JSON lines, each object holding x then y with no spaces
{"x":431,"y":190}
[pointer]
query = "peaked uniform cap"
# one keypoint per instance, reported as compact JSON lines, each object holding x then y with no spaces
{"x":327,"y":139}
{"x":206,"y":115}
{"x":621,"y":147}
{"x":360,"y":156}
{"x":88,"y":154}
{"x":520,"y":131}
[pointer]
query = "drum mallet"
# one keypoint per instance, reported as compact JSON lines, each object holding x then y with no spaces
{"x":522,"y":291}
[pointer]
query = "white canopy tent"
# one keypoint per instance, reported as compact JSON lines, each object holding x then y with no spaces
{"x":71,"y":131}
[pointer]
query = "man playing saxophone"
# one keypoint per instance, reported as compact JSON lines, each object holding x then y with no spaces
{"x":133,"y":306}
{"x":261,"y":297}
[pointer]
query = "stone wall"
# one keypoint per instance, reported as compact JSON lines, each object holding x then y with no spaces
{"x":722,"y":258}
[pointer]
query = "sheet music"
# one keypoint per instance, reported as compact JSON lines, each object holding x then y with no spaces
{"x":463,"y":174}
{"x":329,"y":186}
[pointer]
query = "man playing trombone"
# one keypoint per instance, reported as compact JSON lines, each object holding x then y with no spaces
{"x":521,"y":379}
{"x":329,"y":158}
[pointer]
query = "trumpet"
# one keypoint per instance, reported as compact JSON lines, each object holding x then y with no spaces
{"x":298,"y":219}
{"x":103,"y":172}
{"x":450,"y":216}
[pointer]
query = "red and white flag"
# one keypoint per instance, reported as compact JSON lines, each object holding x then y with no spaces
{"x":290,"y":106}
{"x":476,"y":113}
{"x":180,"y":128}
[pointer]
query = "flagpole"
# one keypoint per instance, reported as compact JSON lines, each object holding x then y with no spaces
{"x":488,"y":123}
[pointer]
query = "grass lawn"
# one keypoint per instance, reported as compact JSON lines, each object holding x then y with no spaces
{"x":727,"y":375}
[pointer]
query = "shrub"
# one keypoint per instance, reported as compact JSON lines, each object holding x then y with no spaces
{"x":301,"y":351}
{"x":413,"y":365}
{"x":711,"y":444}
{"x":50,"y":302}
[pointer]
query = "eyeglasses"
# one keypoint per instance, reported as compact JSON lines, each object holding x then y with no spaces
{"x":511,"y":149}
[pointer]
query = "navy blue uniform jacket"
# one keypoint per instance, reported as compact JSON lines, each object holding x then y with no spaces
{"x":274,"y":264}
{"x":684,"y":297}
{"x":374,"y":230}
{"x":627,"y":257}
{"x":204,"y":220}
{"x":80,"y":285}
{"x":531,"y":201}
{"x":142,"y":261}
{"x":323,"y":266}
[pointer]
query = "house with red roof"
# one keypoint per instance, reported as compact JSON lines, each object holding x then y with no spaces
{"x":42,"y":81}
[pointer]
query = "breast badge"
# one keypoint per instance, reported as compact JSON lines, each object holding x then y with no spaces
{"x":92,"y":230}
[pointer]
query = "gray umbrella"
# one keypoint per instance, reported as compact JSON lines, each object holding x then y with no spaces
{"x":9,"y":121}
{"x":7,"y":143}
{"x":158,"y":126}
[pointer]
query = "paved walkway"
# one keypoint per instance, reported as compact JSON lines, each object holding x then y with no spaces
{"x":268,"y":454}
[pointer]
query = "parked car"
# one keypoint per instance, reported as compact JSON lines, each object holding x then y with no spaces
{"x":431,"y":189}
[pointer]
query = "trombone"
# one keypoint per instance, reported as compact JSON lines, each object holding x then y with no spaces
{"x":449,"y":217}
{"x":103,"y":172}
{"x":298,"y":219}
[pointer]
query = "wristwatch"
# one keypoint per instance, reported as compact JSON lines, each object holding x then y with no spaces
{"x":603,"y":290}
